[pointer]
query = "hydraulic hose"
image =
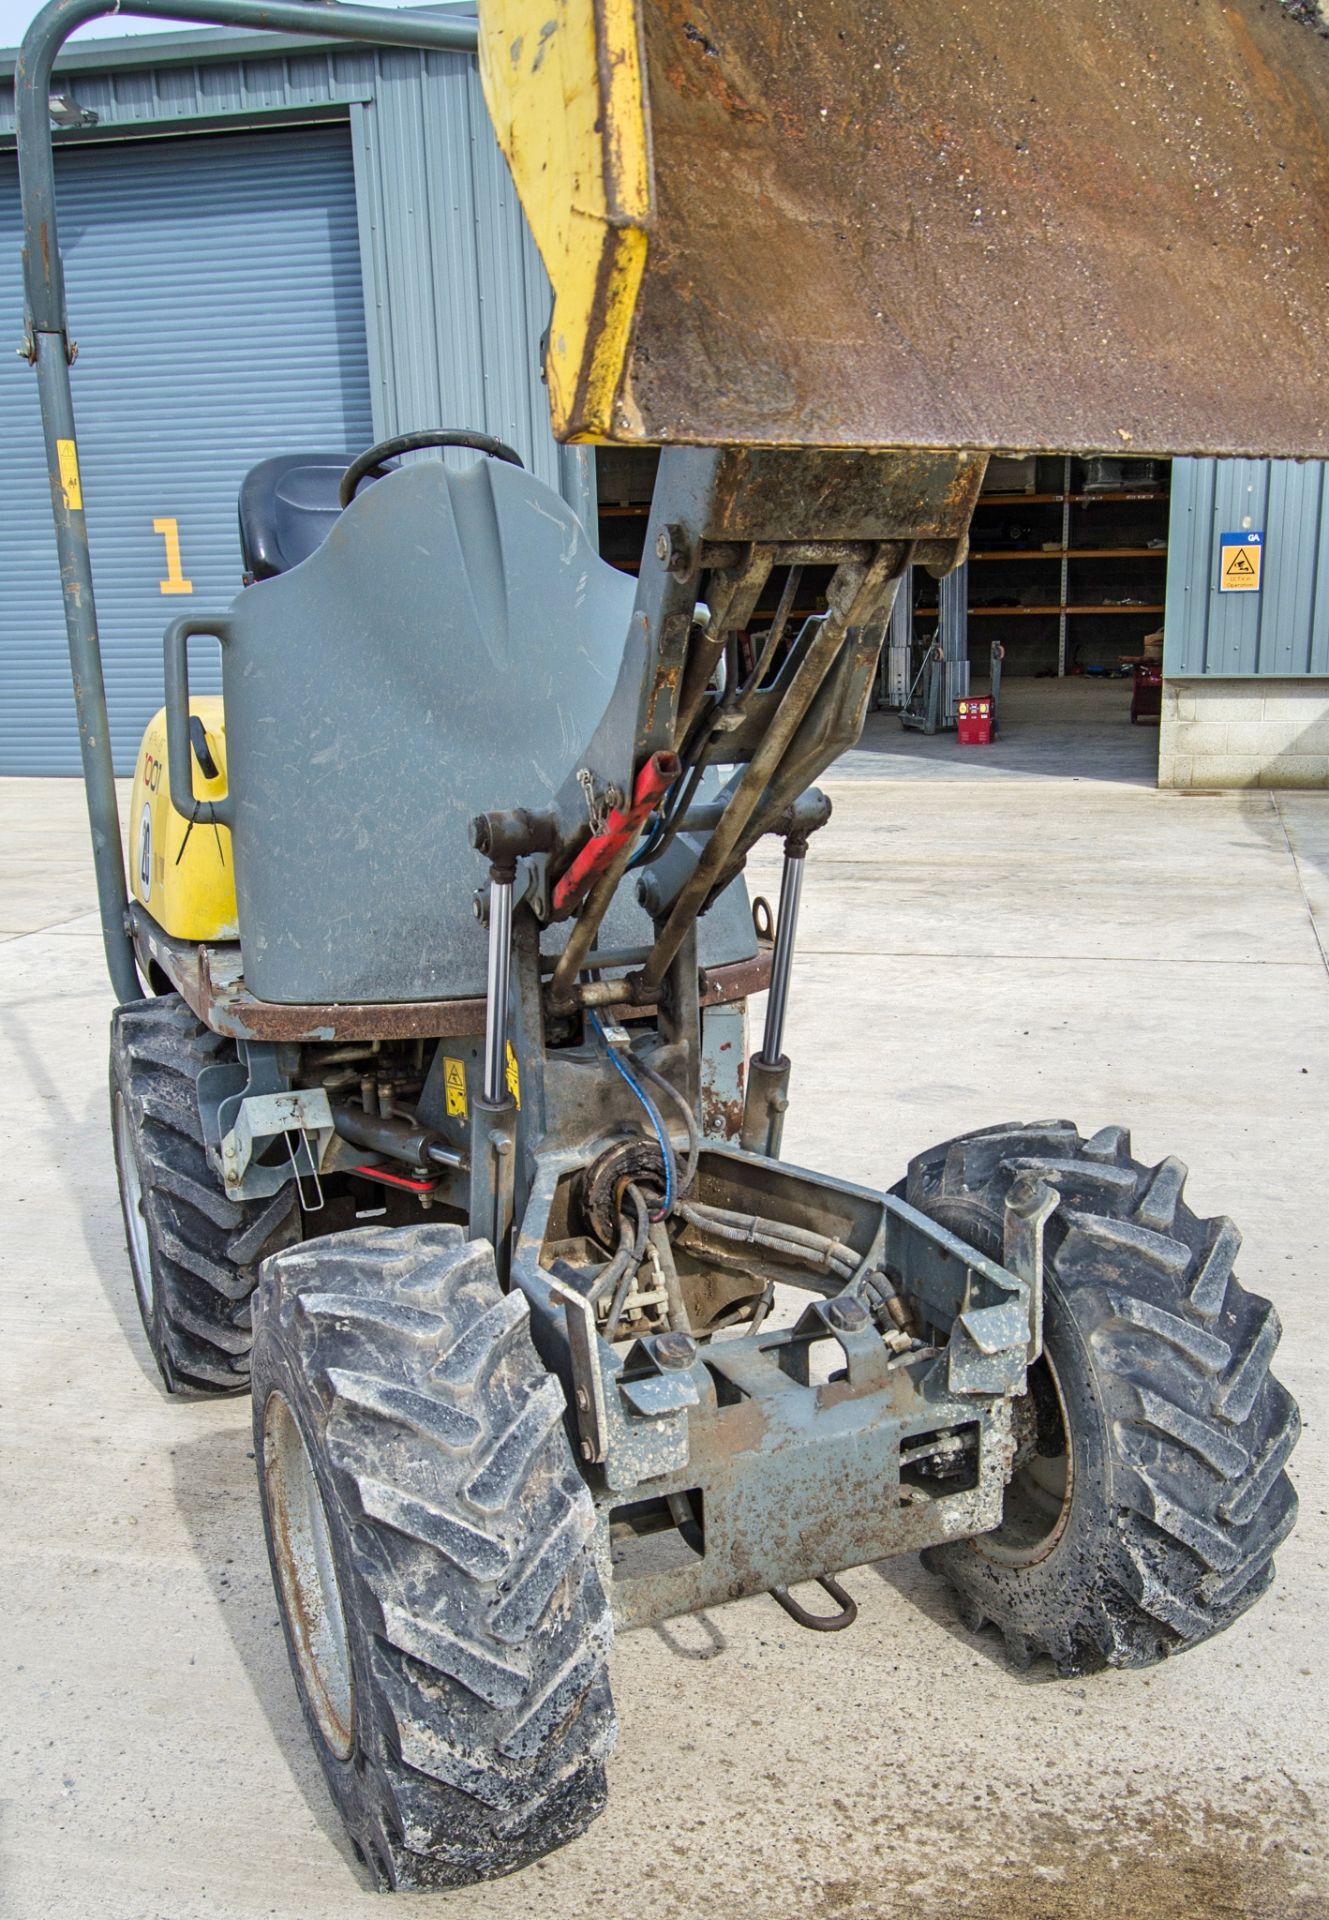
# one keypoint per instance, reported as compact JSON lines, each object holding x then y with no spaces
{"x":652,"y":1114}
{"x":630,"y":1253}
{"x":689,"y":1119}
{"x":797,"y":1245}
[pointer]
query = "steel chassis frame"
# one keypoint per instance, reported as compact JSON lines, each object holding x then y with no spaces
{"x":766,"y":1472}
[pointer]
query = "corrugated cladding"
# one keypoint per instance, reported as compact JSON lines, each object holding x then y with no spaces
{"x":454,"y":297}
{"x":178,"y":255}
{"x":1283,"y":630}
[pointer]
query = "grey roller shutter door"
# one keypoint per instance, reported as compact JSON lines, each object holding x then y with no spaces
{"x":214,"y":291}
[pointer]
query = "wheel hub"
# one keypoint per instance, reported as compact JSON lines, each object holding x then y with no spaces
{"x":1038,"y":1498}
{"x":136,"y":1225}
{"x":307,"y":1575}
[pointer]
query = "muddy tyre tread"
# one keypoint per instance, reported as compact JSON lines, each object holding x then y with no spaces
{"x":1196,"y":1430}
{"x":477,"y":1622}
{"x":205,"y":1248}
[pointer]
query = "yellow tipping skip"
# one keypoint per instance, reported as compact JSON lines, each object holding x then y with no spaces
{"x":915,"y":223}
{"x":564,"y":84}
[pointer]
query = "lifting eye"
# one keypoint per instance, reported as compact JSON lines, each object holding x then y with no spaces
{"x":198,"y":740}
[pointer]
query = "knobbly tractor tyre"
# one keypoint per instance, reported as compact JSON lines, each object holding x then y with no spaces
{"x":194,"y":1253}
{"x":1149,"y":1494}
{"x":430,"y":1542}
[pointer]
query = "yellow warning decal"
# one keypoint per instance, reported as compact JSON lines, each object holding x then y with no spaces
{"x":67,"y":455}
{"x":513,"y":1078}
{"x":1241,"y":562}
{"x":454,"y":1088}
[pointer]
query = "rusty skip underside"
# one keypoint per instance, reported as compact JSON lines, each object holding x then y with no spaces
{"x":1096,"y":225}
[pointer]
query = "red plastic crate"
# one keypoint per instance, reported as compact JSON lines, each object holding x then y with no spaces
{"x":974,"y":720}
{"x":1147,"y":690}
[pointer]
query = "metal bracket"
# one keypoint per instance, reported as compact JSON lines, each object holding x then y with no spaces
{"x":305,"y":1111}
{"x":1030,"y":1203}
{"x":224,"y":1080}
{"x":987,"y":1348}
{"x":658,"y":1376}
{"x":529,"y":889}
{"x":588,"y":1382}
{"x":867,"y":1357}
{"x":654,"y":1394}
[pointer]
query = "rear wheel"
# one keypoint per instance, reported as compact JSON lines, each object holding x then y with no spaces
{"x":430,"y":1541}
{"x":1149,"y":1492}
{"x":193,"y":1253}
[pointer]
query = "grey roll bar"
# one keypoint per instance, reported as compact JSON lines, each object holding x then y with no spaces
{"x":46,"y":347}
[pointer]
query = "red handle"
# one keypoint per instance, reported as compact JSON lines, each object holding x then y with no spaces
{"x":654,"y":780}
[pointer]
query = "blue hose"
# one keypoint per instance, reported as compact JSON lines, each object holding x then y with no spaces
{"x":652,"y":1114}
{"x":652,"y":840}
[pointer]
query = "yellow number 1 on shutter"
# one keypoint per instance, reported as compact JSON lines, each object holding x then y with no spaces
{"x":175,"y":581}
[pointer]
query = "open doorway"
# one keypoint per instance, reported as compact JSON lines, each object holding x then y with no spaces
{"x":1051,"y":632}
{"x":1054,"y":626}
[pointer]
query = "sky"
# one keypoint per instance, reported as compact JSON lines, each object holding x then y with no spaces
{"x":16,"y":14}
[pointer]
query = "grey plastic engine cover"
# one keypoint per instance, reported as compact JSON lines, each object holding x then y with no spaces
{"x":448,"y":649}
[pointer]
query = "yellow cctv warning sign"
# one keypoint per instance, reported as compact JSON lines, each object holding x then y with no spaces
{"x":1241,"y":562}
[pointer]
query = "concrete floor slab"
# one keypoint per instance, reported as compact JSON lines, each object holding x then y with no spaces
{"x":1071,"y":729}
{"x":975,"y":949}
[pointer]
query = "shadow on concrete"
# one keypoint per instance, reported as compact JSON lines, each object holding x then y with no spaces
{"x":691,"y":1636}
{"x":1303,"y":822}
{"x":77,"y":1140}
{"x":218,"y":1502}
{"x":213,"y":1475}
{"x":934,"y":1599}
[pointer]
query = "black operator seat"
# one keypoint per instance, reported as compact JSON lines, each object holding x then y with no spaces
{"x":288,"y":506}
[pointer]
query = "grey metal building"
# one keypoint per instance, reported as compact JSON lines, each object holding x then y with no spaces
{"x":273,"y":244}
{"x":1246,"y":671}
{"x":270,"y":245}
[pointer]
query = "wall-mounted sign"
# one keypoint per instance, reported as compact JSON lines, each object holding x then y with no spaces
{"x":1240,"y":563}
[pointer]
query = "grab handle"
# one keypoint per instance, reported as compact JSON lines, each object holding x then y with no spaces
{"x":213,"y":626}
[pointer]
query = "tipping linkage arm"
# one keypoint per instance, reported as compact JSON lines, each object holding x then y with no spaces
{"x":721,"y":522}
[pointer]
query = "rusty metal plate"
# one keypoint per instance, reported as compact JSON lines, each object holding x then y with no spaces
{"x":1096,"y":226}
{"x":761,"y":495}
{"x":211,"y":982}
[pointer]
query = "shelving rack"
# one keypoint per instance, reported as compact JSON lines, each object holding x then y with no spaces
{"x":625,"y":477}
{"x":1064,"y":603}
{"x":625,"y":486}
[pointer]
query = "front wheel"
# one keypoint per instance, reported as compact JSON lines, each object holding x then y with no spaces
{"x":430,"y":1542}
{"x":194,"y":1253}
{"x":1148,"y":1494}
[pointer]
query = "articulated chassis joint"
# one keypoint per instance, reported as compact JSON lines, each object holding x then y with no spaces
{"x":736,"y":1436}
{"x":736,"y":1460}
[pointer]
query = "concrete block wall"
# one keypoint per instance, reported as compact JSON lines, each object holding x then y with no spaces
{"x":1244,"y":733}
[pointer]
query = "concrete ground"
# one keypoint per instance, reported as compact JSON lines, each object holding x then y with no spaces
{"x":981,"y":941}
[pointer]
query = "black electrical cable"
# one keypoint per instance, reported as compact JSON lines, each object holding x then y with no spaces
{"x":670,"y":829}
{"x":689,"y":1172}
{"x":635,"y":1258}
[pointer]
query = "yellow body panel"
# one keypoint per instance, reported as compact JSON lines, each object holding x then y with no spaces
{"x":182,"y":874}
{"x":565,"y":88}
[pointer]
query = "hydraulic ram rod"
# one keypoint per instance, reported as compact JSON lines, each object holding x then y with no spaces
{"x":496,"y":991}
{"x":782,"y":960}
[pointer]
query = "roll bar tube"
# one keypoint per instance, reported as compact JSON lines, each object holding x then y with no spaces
{"x":47,"y":347}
